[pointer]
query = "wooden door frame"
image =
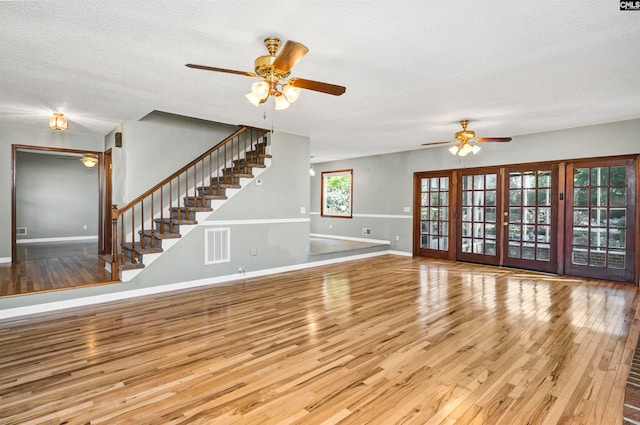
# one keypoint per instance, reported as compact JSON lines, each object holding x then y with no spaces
{"x":553,"y":167}
{"x":14,"y":162}
{"x":417,"y":205}
{"x":105,"y":247}
{"x":633,"y":254}
{"x":473,"y":258}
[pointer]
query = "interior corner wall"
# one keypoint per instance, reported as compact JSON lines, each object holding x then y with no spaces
{"x":383,"y":184}
{"x":155,"y":147}
{"x":42,"y":137}
{"x":56,"y":198}
{"x":267,"y":225}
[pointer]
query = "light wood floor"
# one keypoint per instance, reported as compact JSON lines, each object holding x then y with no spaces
{"x":388,"y":340}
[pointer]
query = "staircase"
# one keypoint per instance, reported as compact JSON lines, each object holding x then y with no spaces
{"x":156,"y":220}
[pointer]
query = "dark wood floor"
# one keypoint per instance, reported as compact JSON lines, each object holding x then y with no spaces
{"x":388,"y":340}
{"x":49,"y":266}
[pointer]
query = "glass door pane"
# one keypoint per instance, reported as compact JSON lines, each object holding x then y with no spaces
{"x":600,"y":215}
{"x":530,"y":217}
{"x":433,"y":204}
{"x":478,"y":218}
{"x":434,"y":213}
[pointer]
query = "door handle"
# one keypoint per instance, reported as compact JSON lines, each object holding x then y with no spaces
{"x":506,"y":223}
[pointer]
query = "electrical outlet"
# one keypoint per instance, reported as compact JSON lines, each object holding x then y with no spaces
{"x":303,"y":210}
{"x":240,"y":270}
{"x":366,"y":231}
{"x":85,"y":227}
{"x":407,"y":209}
{"x":397,"y":238}
{"x":254,"y":252}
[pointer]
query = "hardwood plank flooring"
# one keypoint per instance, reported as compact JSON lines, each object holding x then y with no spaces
{"x":387,"y":340}
{"x":50,"y":266}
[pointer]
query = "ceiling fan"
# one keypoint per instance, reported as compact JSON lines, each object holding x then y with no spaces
{"x":88,"y":159}
{"x":274,"y":71}
{"x":465,"y":141}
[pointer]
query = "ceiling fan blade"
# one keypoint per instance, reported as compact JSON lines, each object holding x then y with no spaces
{"x":212,"y":68}
{"x":436,"y":143}
{"x":493,"y":139}
{"x":317,"y":86}
{"x":290,"y":54}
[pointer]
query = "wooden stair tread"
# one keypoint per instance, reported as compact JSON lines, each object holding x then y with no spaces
{"x":159,"y":235}
{"x":215,"y":197}
{"x":222,"y":185}
{"x":137,"y":247}
{"x":192,"y":209}
{"x":131,"y":266}
{"x":174,"y":221}
{"x":241,"y":175}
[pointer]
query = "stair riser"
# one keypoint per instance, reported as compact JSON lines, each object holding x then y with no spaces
{"x":214,"y":191}
{"x":156,"y":244}
{"x":183,"y":215}
{"x":237,"y":170}
{"x":127,"y":255}
{"x":167,"y":228}
{"x":256,"y":163}
{"x":197,"y":202}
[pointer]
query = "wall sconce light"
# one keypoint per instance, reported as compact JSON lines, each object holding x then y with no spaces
{"x":58,"y":122}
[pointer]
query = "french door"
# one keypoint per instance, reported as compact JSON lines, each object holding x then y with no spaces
{"x":577,"y":218}
{"x":507,"y":216}
{"x":530,"y":217}
{"x":435,"y":206}
{"x":600,"y":219}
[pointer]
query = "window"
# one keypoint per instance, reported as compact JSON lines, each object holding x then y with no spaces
{"x":337,"y":192}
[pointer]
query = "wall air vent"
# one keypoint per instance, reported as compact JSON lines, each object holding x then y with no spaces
{"x":217,"y":245}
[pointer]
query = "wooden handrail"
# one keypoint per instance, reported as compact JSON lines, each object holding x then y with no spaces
{"x":132,"y":218}
{"x":186,"y":167}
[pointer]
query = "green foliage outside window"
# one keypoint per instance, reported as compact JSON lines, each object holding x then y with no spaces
{"x":337,"y":193}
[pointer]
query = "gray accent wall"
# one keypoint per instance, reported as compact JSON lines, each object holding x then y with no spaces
{"x":10,"y":135}
{"x":383,"y":184}
{"x":56,"y":198}
{"x":282,"y":239}
{"x":155,"y":147}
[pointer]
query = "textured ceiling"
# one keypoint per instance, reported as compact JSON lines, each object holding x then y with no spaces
{"x":412,"y":69}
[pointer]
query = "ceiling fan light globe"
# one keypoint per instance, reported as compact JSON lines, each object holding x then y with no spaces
{"x":454,"y":150}
{"x":253,"y":99}
{"x":475,"y":149}
{"x":89,"y":161}
{"x":281,"y":102}
{"x":465,"y":150}
{"x":260,"y":89}
{"x":291,"y":93}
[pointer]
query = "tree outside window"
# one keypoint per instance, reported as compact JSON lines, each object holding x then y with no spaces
{"x":337,"y":191}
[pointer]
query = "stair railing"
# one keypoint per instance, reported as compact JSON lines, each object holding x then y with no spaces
{"x":212,"y":170}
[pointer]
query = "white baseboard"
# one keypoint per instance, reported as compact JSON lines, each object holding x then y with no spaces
{"x":122,"y":295}
{"x":63,"y":239}
{"x":5,"y":260}
{"x":348,"y":238}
